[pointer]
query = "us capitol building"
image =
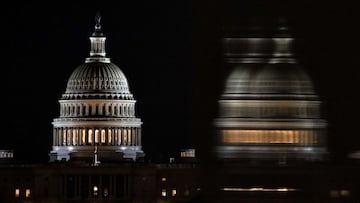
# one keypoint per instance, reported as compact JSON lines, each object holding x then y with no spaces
{"x":97,"y":111}
{"x":270,"y":140}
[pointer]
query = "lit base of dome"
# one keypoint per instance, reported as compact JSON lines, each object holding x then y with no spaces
{"x":87,"y":153}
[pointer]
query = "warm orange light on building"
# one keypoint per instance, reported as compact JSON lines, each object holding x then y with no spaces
{"x":103,"y":139}
{"x":163,"y":193}
{"x":259,"y":189}
{"x":173,"y":192}
{"x":269,"y":136}
{"x":27,"y":193}
{"x":17,"y":192}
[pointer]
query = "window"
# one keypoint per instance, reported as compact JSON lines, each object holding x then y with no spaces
{"x":270,"y":136}
{"x":163,"y":192}
{"x":173,"y":192}
{"x":97,"y":136}
{"x":64,"y":137}
{"x":17,"y":192}
{"x":125,"y":136}
{"x":129,"y":136}
{"x":27,"y":193}
{"x":106,"y":192}
{"x":345,"y":193}
{"x":90,"y":134}
{"x":103,"y":136}
{"x":96,"y":190}
{"x":75,"y":137}
{"x":339,"y":193}
{"x":163,"y":179}
{"x":109,"y":136}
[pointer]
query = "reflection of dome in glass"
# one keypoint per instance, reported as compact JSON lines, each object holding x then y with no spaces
{"x":275,"y":78}
{"x":97,"y":112}
{"x":269,"y":109}
{"x":282,"y":78}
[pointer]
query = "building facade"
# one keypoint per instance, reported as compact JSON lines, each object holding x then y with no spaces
{"x":271,"y":140}
{"x":121,"y":182}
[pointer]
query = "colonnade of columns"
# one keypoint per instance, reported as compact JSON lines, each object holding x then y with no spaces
{"x":75,"y":136}
{"x":102,"y":109}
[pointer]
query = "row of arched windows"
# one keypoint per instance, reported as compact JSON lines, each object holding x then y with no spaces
{"x":300,"y":137}
{"x":128,"y":136}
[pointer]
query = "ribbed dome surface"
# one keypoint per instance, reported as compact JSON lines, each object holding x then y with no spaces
{"x":97,"y":77}
{"x":282,"y":79}
{"x":269,"y":79}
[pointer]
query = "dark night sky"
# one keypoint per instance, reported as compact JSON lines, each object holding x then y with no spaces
{"x":170,"y":53}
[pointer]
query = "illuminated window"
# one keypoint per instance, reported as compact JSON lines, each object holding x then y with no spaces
{"x":117,"y":136}
{"x":129,"y":136}
{"x":96,"y":190}
{"x":125,"y":137}
{"x":102,"y":136}
{"x":270,"y":136}
{"x":75,"y":136}
{"x":97,"y":136}
{"x":83,"y":138}
{"x":69,"y":136}
{"x":90,"y":136}
{"x":173,"y":192}
{"x":17,"y":192}
{"x":64,"y":137}
{"x":27,"y":193}
{"x":163,"y":192}
{"x":187,"y":153}
{"x":163,"y":179}
{"x":339,"y":193}
{"x":345,"y":193}
{"x":109,"y":136}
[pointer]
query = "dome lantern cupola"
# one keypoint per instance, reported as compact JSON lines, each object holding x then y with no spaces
{"x":97,"y":40}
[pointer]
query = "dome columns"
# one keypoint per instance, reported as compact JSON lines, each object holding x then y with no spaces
{"x":76,"y":136}
{"x":97,"y":46}
{"x":83,"y":108}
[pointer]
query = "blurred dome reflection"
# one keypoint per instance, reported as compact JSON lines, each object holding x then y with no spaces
{"x":269,"y":109}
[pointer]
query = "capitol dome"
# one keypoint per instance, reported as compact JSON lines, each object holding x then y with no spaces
{"x":97,"y":77}
{"x":269,"y":109}
{"x":98,"y":80}
{"x":97,"y":112}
